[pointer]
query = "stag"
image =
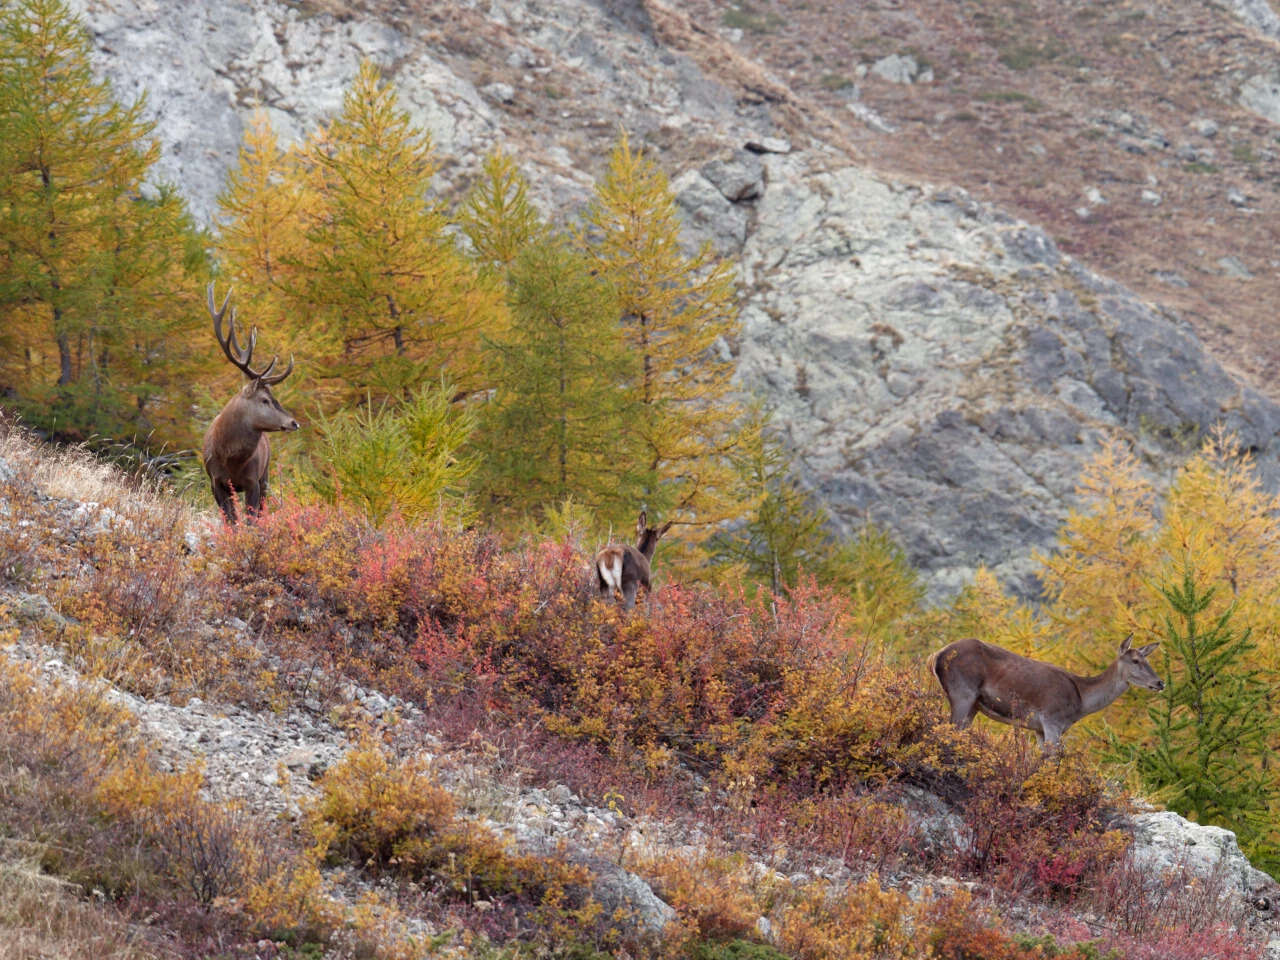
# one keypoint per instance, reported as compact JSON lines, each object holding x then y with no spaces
{"x":623,"y":569}
{"x":236,"y":450}
{"x":1027,"y":693}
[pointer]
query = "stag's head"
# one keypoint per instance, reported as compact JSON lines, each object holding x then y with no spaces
{"x":257,"y":404}
{"x":262,"y":410}
{"x":1134,"y":667}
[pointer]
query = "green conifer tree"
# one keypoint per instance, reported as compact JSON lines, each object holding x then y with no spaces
{"x":498,"y":217}
{"x":1209,"y":751}
{"x":402,"y":456}
{"x":789,"y":535}
{"x":556,"y":428}
{"x":786,"y":534}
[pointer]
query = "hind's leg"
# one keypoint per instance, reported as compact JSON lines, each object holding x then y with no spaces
{"x":629,"y":594}
{"x":964,"y":707}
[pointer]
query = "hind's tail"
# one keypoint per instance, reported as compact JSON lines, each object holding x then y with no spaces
{"x":932,"y":663}
{"x":610,"y":569}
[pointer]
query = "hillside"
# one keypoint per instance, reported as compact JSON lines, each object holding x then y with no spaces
{"x":311,"y":738}
{"x":1141,"y":136}
{"x":974,"y":240}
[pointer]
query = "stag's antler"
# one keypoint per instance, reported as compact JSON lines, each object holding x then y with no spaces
{"x":241,"y":359}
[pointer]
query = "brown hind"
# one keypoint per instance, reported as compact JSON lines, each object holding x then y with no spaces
{"x":623,"y":569}
{"x":1017,"y":690}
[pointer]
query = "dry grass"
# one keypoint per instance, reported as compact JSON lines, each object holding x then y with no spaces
{"x":43,"y":916}
{"x":73,"y":473}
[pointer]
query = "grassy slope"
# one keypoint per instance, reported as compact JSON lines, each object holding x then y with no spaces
{"x":776,"y":737}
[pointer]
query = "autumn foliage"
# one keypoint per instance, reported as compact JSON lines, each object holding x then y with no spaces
{"x":489,"y":394}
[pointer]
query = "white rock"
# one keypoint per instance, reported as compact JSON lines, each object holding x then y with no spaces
{"x":897,"y":68}
{"x":1166,"y":843}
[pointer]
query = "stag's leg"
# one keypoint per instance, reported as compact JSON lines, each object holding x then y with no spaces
{"x":224,"y":497}
{"x":252,"y":499}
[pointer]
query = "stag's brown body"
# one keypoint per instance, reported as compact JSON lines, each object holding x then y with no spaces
{"x":981,"y":677}
{"x":237,"y":453}
{"x":623,"y":569}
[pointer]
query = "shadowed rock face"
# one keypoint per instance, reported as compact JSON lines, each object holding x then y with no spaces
{"x":947,"y":372}
{"x":940,"y":368}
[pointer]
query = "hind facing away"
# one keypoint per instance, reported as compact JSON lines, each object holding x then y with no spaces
{"x":623,"y":569}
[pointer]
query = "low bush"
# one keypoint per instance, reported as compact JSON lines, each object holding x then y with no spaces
{"x":391,"y":816}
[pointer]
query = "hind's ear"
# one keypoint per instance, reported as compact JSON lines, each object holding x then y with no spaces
{"x":1146,"y":651}
{"x":1128,"y":641}
{"x":665,"y":527}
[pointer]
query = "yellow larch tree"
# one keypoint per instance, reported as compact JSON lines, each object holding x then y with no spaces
{"x":1119,"y":556}
{"x":91,"y":251}
{"x":258,"y":248}
{"x":380,"y":279}
{"x":678,"y":313}
{"x":1097,"y":579}
{"x":259,"y":221}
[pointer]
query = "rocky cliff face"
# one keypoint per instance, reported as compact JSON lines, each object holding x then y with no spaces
{"x":940,"y":366}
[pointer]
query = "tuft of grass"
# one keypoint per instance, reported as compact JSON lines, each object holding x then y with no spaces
{"x":45,"y":916}
{"x":746,"y":16}
{"x":1025,"y":56}
{"x":1029,"y":103}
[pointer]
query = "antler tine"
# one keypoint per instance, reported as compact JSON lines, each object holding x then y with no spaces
{"x":213,"y":312}
{"x":228,"y":343}
{"x":246,"y":356}
{"x":272,"y":381}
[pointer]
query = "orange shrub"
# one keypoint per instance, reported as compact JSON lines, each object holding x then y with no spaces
{"x":380,"y":811}
{"x":782,"y":702}
{"x":392,"y":815}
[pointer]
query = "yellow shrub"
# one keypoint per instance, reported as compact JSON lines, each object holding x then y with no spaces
{"x":716,"y":895}
{"x":861,"y":922}
{"x":380,"y":811}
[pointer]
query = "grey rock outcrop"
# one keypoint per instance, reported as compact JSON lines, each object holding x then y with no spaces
{"x":1166,"y":845}
{"x":1261,"y":94}
{"x":946,"y":371}
{"x":1258,"y":14}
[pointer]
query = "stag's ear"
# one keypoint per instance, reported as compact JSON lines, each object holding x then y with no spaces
{"x":1146,"y":651}
{"x":1124,"y":647}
